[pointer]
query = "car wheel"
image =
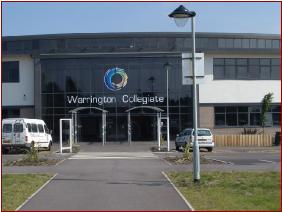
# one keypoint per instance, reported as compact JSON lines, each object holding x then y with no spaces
{"x":49,"y":146}
{"x":210,"y":149}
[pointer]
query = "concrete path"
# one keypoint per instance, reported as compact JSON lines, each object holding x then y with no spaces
{"x":101,"y":181}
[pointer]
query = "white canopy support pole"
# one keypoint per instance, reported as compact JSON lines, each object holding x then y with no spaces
{"x":104,"y":127}
{"x":70,"y":135}
{"x":129,"y":127}
{"x":167,"y":134}
{"x":159,"y":130}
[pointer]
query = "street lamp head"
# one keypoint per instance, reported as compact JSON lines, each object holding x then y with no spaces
{"x":181,"y":15}
{"x":167,"y":65}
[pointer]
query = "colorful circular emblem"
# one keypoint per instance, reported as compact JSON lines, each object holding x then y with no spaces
{"x":115,"y":72}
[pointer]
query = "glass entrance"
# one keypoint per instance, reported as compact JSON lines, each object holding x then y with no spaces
{"x":90,"y":127}
{"x":144,"y":127}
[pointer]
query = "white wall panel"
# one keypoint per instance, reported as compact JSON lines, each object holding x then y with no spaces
{"x":22,"y":93}
{"x":236,"y":91}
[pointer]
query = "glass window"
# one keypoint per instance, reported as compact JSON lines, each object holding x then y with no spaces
{"x":275,"y":73}
{"x":275,"y":61}
{"x":7,"y":128}
{"x":231,"y":119}
{"x":254,"y":72}
{"x":276,"y":108}
{"x":254,"y":61}
{"x":265,"y":62}
{"x":18,"y":128}
{"x":237,"y":43}
{"x":255,"y":119}
{"x":221,"y":43}
{"x":242,"y":72}
{"x":230,"y":72}
{"x":229,"y":43}
{"x":265,"y":73}
{"x":243,"y":109}
{"x":219,"y":109}
{"x":276,"y":44}
{"x":246,"y":43}
{"x":243,"y":119}
{"x":261,"y":43}
{"x":218,"y":61}
{"x":254,"y":109}
{"x":268,"y":44}
{"x":29,"y":127}
{"x":231,"y":109}
{"x":253,"y":43}
{"x":218,"y":72}
{"x":242,"y":62}
{"x":34,"y":128}
{"x":10,"y":71}
{"x":230,"y":61}
{"x":220,"y":119}
{"x":245,"y":116}
{"x":276,"y":119}
{"x":40,"y":128}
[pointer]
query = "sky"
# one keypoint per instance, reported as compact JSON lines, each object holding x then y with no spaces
{"x":29,"y":18}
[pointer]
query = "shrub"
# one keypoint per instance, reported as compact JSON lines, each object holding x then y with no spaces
{"x":249,"y":131}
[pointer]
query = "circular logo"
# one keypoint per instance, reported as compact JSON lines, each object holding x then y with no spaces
{"x":115,"y":79}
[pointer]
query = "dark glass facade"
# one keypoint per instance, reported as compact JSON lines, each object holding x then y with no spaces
{"x":68,"y":83}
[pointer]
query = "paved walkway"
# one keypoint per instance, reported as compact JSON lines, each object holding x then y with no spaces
{"x":120,"y":177}
{"x":109,"y":181}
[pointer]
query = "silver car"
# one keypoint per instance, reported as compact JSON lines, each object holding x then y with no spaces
{"x":205,"y":139}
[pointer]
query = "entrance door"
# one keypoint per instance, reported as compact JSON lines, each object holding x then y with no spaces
{"x":90,"y":127}
{"x":144,"y":127}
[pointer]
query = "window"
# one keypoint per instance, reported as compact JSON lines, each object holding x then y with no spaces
{"x":18,"y":128}
{"x":246,"y":68}
{"x":230,"y":116}
{"x":40,"y":128}
{"x":46,"y":129}
{"x":10,"y":71}
{"x":10,"y":113}
{"x":7,"y":128}
{"x":29,"y":127}
{"x":34,"y":128}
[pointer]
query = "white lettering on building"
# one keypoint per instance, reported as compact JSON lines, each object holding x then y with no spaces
{"x":109,"y":99}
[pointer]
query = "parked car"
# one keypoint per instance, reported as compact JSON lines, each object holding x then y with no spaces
{"x":205,"y":139}
{"x":22,"y":133}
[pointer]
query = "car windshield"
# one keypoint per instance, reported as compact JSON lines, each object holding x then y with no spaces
{"x":185,"y":132}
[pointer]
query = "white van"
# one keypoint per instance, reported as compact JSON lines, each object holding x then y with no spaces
{"x":22,"y":132}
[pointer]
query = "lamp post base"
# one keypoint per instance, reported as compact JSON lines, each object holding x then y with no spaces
{"x":197,"y":181}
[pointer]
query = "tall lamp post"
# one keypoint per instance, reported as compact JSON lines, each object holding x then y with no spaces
{"x":167,"y":66}
{"x":181,"y":16}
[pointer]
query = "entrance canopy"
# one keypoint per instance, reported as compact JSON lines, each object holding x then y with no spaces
{"x":82,"y":108}
{"x":75,"y":126}
{"x":159,"y":110}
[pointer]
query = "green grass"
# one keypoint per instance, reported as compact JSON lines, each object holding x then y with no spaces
{"x":16,"y":188}
{"x":230,"y":190}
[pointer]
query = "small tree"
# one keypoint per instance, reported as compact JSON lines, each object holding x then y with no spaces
{"x":265,"y":106}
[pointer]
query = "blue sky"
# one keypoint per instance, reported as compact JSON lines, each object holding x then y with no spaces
{"x":92,"y":17}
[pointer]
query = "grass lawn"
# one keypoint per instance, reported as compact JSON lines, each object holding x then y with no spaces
{"x":16,"y":188}
{"x":230,"y":190}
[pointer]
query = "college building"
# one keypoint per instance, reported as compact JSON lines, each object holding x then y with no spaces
{"x":47,"y":76}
